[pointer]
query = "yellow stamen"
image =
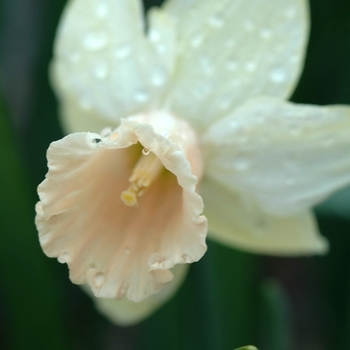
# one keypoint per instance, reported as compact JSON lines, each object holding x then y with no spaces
{"x":146,"y":170}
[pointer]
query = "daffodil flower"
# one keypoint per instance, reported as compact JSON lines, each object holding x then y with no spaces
{"x":191,"y":106}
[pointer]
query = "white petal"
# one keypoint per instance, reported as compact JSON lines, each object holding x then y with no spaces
{"x":117,"y":249}
{"x":104,"y":62}
{"x":237,"y":221}
{"x":288,"y":157}
{"x":125,"y":312}
{"x":231,"y":51}
{"x":76,"y":118}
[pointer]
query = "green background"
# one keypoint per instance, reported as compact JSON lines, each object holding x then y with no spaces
{"x":230,"y":298}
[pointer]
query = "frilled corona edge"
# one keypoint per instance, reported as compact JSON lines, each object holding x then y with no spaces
{"x":120,"y":248}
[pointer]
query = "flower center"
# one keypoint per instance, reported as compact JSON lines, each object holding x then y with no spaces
{"x":146,"y":170}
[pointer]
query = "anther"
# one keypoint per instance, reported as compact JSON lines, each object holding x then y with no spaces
{"x":146,"y":171}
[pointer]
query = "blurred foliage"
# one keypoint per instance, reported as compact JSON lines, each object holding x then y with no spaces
{"x":229,"y":298}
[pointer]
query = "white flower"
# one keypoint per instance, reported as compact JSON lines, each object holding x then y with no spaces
{"x":198,"y":96}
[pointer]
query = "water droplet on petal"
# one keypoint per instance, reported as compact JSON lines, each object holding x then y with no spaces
{"x":225,"y":103}
{"x":203,"y":91}
{"x":114,"y":136}
{"x":99,"y":279}
{"x":197,"y":41}
{"x":101,"y":71}
{"x":161,"y":48}
{"x":85,"y":103}
{"x":265,"y":33}
{"x":154,"y":35}
{"x":186,"y":259}
{"x":250,"y":67}
{"x":155,"y":260}
{"x":206,"y":64}
{"x":101,"y":10}
{"x":92,"y":267}
{"x":291,"y":12}
{"x":146,"y":151}
{"x":141,"y":96}
{"x":230,"y":43}
{"x":241,"y":164}
{"x":235,"y":125}
{"x":158,"y":77}
{"x":121,"y":291}
{"x":248,"y":25}
{"x":278,"y":75}
{"x":201,"y":219}
{"x":122,"y":52}
{"x":64,"y":257}
{"x":216,"y":21}
{"x":95,"y":41}
{"x":75,"y":57}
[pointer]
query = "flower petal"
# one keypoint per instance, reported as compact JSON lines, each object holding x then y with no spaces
{"x":237,"y":221}
{"x":105,"y":64}
{"x":231,"y":51}
{"x":287,"y":157}
{"x":119,"y":250}
{"x":125,"y":312}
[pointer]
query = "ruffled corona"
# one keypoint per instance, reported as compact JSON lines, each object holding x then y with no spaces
{"x":121,"y":208}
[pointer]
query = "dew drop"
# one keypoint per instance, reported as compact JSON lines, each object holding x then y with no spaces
{"x":141,"y":96}
{"x":123,"y":52}
{"x":241,"y":164}
{"x":99,"y":279}
{"x":95,"y":41}
{"x":92,"y":267}
{"x":225,"y":103}
{"x":197,"y":41}
{"x":186,"y":259}
{"x":291,"y":12}
{"x":155,"y":259}
{"x":75,"y":57}
{"x":85,"y":103}
{"x":101,"y":10}
{"x":154,"y":35}
{"x":158,"y":77}
{"x":250,"y":67}
{"x":216,"y":21}
{"x":235,"y":125}
{"x":278,"y":75}
{"x":161,"y":48}
{"x":121,"y":292}
{"x":248,"y":25}
{"x":206,"y":65}
{"x":230,"y":43}
{"x":114,"y":136}
{"x":265,"y":33}
{"x":201,"y":219}
{"x":64,"y":257}
{"x":101,"y":71}
{"x":146,"y":151}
